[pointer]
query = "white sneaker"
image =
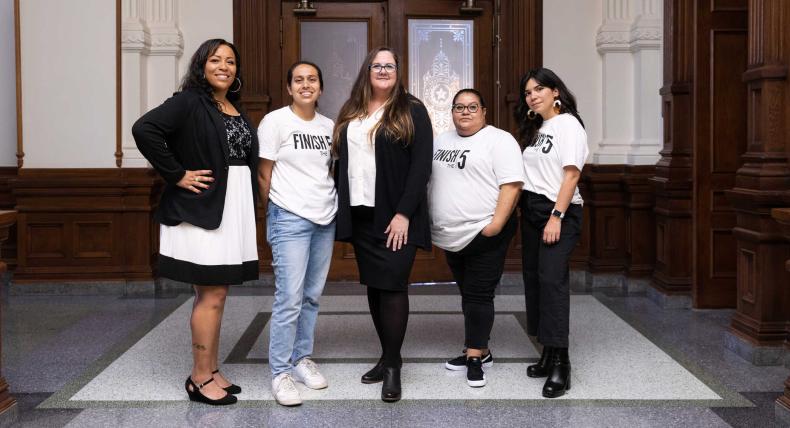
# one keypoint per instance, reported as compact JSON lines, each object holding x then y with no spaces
{"x":306,"y":371}
{"x":285,"y":391}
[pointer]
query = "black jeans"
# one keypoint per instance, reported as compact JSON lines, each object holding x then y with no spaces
{"x":477,"y":269}
{"x":545,"y":268}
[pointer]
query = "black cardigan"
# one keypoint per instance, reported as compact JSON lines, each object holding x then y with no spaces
{"x":402,"y":175}
{"x":187,"y":132}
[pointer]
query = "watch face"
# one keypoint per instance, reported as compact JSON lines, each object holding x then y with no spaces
{"x":556,"y":213}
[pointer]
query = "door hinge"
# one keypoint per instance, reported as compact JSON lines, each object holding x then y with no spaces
{"x":281,"y":32}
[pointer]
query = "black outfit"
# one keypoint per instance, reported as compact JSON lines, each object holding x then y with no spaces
{"x":545,"y":268}
{"x":477,"y":269}
{"x":402,"y":173}
{"x":187,"y":132}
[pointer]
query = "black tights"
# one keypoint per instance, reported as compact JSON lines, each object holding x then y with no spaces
{"x":390,"y":312}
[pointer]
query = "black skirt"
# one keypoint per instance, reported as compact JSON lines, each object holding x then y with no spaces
{"x":379,"y":266}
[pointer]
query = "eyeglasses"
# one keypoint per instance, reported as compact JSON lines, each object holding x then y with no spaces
{"x":459,"y":108}
{"x":377,"y":68}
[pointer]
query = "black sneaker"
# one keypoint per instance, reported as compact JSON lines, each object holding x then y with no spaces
{"x":475,"y":376}
{"x":459,"y":363}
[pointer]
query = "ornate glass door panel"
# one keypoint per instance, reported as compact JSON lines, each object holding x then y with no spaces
{"x":441,"y":62}
{"x":338,"y":47}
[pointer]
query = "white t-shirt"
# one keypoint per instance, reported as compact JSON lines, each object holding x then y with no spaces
{"x":362,"y":159}
{"x":561,"y":142}
{"x":301,"y":151}
{"x":464,"y":186}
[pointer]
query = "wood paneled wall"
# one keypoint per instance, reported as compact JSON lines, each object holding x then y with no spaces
{"x":618,"y":231}
{"x":673,"y":177}
{"x":7,"y":202}
{"x":763,"y":182}
{"x":86,"y":224}
{"x":7,"y":402}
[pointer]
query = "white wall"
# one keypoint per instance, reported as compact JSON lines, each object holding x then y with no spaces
{"x":7,"y":85}
{"x":68,"y":83}
{"x":201,"y":20}
{"x":158,"y":40}
{"x":569,"y":31}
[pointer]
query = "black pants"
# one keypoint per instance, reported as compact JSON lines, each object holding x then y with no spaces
{"x":477,"y":269}
{"x":545,"y":268}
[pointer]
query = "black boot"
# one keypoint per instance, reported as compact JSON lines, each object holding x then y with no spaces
{"x":559,"y":374}
{"x":541,"y":369}
{"x":376,"y":374}
{"x":390,"y":389}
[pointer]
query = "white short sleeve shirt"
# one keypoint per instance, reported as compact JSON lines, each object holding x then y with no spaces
{"x":561,"y":142}
{"x":465,"y":180}
{"x":301,"y":151}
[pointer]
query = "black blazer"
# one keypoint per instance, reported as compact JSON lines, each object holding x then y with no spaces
{"x":402,"y":175}
{"x":187,"y":132}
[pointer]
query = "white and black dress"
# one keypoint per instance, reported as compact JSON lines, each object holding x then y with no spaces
{"x":228,"y":254}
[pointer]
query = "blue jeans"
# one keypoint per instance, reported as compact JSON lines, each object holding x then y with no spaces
{"x":301,"y":253}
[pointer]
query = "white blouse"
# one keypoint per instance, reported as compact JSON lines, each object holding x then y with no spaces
{"x":362,"y":159}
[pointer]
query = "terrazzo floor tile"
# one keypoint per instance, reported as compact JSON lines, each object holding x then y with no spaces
{"x":598,"y":336}
{"x":503,"y":415}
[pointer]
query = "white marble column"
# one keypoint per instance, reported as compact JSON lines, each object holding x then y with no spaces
{"x":629,"y":41}
{"x":135,"y":40}
{"x":151,"y":45}
{"x":613,"y":42}
{"x":646,"y":45}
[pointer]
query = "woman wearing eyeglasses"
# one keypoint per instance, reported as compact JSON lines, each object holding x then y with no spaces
{"x":476,"y":181}
{"x":383,"y":145}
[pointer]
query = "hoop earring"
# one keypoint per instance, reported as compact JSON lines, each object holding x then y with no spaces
{"x":531,"y":115}
{"x":557,"y":106}
{"x":239,"y":88}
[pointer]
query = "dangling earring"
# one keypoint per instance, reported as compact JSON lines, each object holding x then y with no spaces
{"x":531,"y":115}
{"x":239,"y":88}
{"x":557,"y":106}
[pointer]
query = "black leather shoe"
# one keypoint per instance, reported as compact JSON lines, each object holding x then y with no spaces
{"x":541,"y":369}
{"x":232,"y":389}
{"x":559,"y":379}
{"x":374,"y":375}
{"x":193,"y":390}
{"x":390,"y":389}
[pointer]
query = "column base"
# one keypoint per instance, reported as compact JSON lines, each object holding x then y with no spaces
{"x":755,"y":354}
{"x":668,"y":301}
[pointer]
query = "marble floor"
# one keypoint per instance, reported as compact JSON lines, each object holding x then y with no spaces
{"x":119,"y":361}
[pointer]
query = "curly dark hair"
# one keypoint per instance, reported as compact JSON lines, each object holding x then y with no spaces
{"x":195,"y":78}
{"x":528,"y":128}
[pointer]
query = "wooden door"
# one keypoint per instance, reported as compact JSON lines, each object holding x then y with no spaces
{"x":443,"y":50}
{"x":510,"y":36}
{"x":337,"y":38}
{"x":719,"y":141}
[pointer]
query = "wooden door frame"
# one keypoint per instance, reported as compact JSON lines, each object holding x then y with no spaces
{"x":257,"y":35}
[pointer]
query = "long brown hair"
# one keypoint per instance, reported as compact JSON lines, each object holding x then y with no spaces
{"x":396,"y":122}
{"x":528,"y":128}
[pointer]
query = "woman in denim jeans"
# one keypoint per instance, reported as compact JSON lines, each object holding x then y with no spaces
{"x":295,"y":152}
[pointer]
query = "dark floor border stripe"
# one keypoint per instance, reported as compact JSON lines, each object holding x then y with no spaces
{"x":60,"y":399}
{"x":728,"y":395}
